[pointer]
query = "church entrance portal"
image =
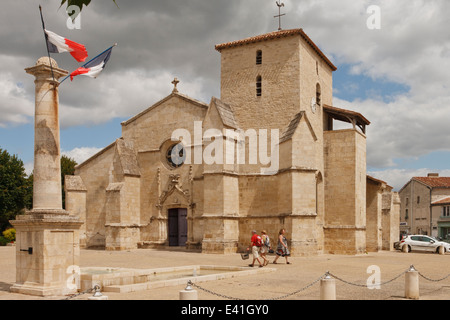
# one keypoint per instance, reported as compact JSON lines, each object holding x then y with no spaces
{"x":177,"y":227}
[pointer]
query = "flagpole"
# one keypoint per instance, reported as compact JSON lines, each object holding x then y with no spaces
{"x":46,"y":42}
{"x":115,"y":44}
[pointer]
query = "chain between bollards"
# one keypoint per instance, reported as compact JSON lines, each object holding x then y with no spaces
{"x":328,"y":285}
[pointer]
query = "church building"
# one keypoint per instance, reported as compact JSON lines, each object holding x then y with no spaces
{"x":163,"y":182}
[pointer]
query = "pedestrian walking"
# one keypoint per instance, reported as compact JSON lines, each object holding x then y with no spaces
{"x":282,"y":248}
{"x":265,"y":247}
{"x":255,"y":245}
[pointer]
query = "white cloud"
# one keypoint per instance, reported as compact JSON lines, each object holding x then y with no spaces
{"x":397,"y":178}
{"x":29,"y":167}
{"x":80,"y":154}
{"x":119,"y":95}
{"x":16,"y":103}
{"x":410,"y":49}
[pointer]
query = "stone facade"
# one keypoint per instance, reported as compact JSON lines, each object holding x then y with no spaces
{"x":382,"y":216}
{"x":278,"y":86}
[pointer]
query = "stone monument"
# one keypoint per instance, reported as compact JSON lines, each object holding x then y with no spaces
{"x":47,"y":237}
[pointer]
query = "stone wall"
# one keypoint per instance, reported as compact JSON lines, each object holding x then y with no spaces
{"x":373,"y":216}
{"x":345,"y":192}
{"x":76,"y":203}
{"x":279,"y":70}
{"x":390,"y":219}
{"x":122,"y":221}
{"x":96,"y":175}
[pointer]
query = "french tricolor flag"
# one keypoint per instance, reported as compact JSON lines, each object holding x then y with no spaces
{"x":94,"y":67}
{"x":58,"y":44}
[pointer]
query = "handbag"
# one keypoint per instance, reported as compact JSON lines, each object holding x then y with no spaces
{"x":245,"y":256}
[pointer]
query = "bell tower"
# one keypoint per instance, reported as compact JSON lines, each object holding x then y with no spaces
{"x":269,"y":78}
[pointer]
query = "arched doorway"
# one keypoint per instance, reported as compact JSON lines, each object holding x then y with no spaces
{"x":178,"y":227}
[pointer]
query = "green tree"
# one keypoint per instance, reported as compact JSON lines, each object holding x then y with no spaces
{"x":67,"y":169}
{"x":15,"y":188}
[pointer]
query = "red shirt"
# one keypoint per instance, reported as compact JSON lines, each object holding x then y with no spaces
{"x":254,"y":240}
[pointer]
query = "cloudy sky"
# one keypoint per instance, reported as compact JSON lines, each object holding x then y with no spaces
{"x":397,"y":76}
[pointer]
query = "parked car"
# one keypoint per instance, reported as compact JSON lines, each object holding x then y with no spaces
{"x":421,"y":243}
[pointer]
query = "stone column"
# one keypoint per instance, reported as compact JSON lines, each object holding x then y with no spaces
{"x":46,"y":183}
{"x":47,"y":245}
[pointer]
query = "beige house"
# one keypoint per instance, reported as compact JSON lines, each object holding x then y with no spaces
{"x":425,"y":206}
{"x":276,"y":94}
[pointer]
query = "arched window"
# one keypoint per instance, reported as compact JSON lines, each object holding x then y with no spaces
{"x":318,"y":95}
{"x":259,"y":57}
{"x":258,"y":86}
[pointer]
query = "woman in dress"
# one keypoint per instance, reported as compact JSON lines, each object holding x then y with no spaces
{"x":282,"y":248}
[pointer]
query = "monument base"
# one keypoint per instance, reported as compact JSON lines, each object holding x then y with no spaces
{"x":47,"y":253}
{"x":38,"y":290}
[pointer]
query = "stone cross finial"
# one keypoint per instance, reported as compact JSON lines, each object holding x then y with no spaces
{"x":175,"y":82}
{"x":279,"y":4}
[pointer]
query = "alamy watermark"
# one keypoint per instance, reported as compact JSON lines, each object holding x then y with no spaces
{"x":374,"y":280}
{"x":75,"y":22}
{"x":374,"y":20}
{"x":227,"y":147}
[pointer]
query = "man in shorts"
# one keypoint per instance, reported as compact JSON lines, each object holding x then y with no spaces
{"x":255,"y":244}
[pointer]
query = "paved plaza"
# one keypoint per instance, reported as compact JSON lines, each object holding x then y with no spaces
{"x":287,"y":280}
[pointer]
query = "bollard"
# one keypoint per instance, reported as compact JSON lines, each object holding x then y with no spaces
{"x":98,"y":295}
{"x":405,"y":248}
{"x":441,"y":250}
{"x":412,"y":284}
{"x":188,"y":293}
{"x":328,"y":288}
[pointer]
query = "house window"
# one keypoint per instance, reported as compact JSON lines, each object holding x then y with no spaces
{"x":258,"y":86}
{"x":259,"y":57}
{"x":406,"y":214}
{"x":446,"y":211}
{"x":418,"y":199}
{"x":407,"y":201}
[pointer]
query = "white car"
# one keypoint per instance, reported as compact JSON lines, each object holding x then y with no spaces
{"x":423,"y":243}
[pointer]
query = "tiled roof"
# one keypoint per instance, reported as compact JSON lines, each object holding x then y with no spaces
{"x":127,"y":158}
{"x":288,"y":133}
{"x":382,"y":183}
{"x":275,"y":35}
{"x":342,"y":114}
{"x":434,"y":182}
{"x":441,"y":201}
{"x":226,"y":113}
{"x":290,"y":130}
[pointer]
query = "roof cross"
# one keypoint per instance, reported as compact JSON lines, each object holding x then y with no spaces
{"x":279,"y":4}
{"x":175,"y":82}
